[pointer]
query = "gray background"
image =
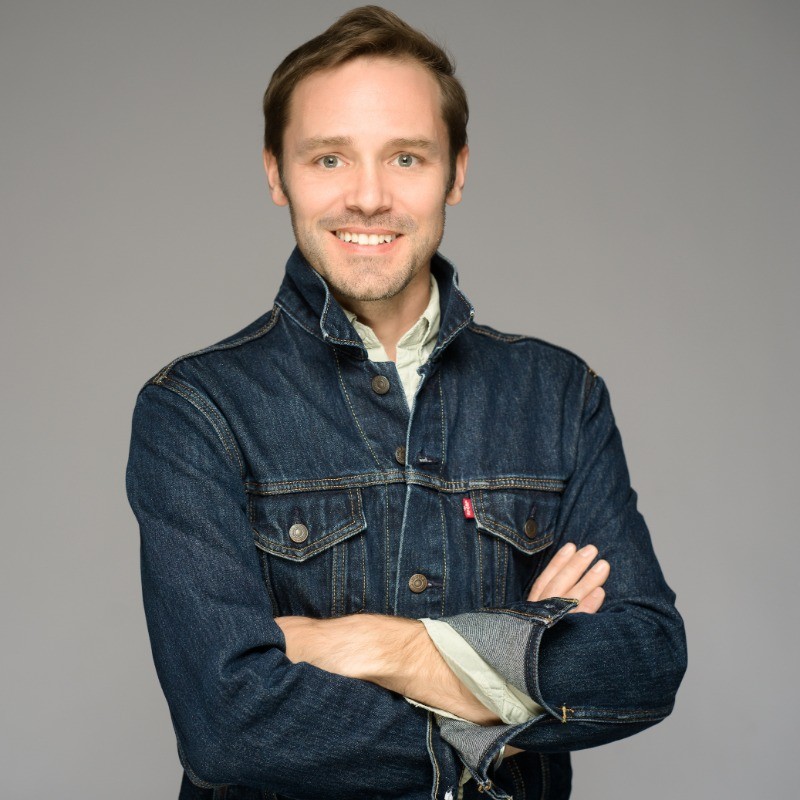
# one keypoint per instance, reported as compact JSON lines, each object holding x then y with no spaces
{"x":633,"y":195}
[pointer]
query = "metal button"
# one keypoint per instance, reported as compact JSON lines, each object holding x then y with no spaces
{"x":380,"y":384}
{"x":417,"y":583}
{"x":298,"y":532}
{"x":400,"y":455}
{"x":531,"y":528}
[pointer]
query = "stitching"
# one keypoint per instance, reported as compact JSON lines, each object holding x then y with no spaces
{"x":519,"y":781}
{"x":479,"y":540}
{"x":264,"y":329}
{"x":334,"y":569}
{"x":463,"y":300}
{"x":589,"y":714}
{"x":484,"y":330}
{"x":353,"y":525}
{"x":444,"y":427}
{"x":486,"y":521}
{"x":344,"y":482}
{"x":363,"y":571}
{"x":268,"y":583}
{"x":516,"y":612}
{"x":387,"y":540}
{"x":544,"y":761}
{"x":444,"y":551}
{"x":360,"y":513}
{"x":505,"y":573}
{"x":352,"y":410}
{"x":502,"y":578}
{"x":209,"y":412}
{"x":435,"y":763}
{"x":197,"y":781}
{"x":410,"y":476}
{"x":297,"y":321}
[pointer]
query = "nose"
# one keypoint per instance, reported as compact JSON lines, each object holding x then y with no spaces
{"x":368,"y":191}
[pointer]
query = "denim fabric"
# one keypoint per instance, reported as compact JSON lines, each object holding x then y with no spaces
{"x":264,"y":475}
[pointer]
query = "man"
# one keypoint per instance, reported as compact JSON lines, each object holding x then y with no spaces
{"x":366,"y":519}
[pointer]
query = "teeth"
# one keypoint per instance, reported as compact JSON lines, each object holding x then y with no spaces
{"x":366,"y":238}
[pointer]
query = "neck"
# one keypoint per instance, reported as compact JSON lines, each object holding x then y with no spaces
{"x":392,"y":317}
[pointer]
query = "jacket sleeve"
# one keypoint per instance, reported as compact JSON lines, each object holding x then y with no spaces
{"x":242,"y":712}
{"x":599,"y":677}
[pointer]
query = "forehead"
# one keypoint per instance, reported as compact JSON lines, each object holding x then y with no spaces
{"x":367,"y":97}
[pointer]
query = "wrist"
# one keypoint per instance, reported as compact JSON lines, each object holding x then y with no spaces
{"x":391,"y":657}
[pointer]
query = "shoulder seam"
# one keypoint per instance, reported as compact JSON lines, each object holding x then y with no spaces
{"x":208,"y":410}
{"x":485,"y":330}
{"x":264,"y":329}
{"x":512,"y":338}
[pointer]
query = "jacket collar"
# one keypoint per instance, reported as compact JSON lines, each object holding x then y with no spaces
{"x":305,"y":296}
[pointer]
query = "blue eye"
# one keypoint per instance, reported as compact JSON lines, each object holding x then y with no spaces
{"x":330,"y":162}
{"x":406,"y":160}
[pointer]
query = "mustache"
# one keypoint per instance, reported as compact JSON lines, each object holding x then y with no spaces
{"x":399,"y":223}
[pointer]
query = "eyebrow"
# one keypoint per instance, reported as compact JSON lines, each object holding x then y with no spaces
{"x":323,"y":143}
{"x":330,"y":142}
{"x":419,"y":143}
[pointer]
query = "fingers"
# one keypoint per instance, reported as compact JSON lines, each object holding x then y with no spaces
{"x":557,"y":563}
{"x":591,"y":602}
{"x":569,"y":575}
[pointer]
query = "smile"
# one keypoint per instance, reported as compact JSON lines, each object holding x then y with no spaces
{"x":366,"y":238}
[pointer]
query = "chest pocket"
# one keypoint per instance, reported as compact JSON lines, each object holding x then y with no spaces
{"x":514,"y":528}
{"x":312,"y":551}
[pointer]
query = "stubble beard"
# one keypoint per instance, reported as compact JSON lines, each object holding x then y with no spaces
{"x":363,"y":277}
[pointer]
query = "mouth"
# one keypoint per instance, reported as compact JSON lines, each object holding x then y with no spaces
{"x":364,"y":239}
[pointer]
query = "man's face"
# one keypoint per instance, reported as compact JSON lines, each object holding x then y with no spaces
{"x":365,"y":174}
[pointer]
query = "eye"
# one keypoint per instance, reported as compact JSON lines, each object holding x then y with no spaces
{"x":329,"y":162}
{"x":406,"y":160}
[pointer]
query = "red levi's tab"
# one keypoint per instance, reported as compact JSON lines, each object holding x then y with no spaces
{"x":469,"y":511}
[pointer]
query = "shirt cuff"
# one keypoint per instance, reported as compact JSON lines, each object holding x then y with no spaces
{"x":498,"y":695}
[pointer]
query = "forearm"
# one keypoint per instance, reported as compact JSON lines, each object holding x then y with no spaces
{"x":392,"y":652}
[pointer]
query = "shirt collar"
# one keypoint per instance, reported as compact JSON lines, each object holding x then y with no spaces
{"x":421,"y":333}
{"x":305,"y":296}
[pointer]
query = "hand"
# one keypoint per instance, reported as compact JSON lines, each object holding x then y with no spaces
{"x":568,"y":575}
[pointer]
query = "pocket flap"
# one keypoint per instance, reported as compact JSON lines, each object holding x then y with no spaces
{"x":524,"y":518}
{"x":298,"y":526}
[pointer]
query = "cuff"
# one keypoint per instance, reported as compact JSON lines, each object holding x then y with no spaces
{"x":499,"y":695}
{"x":508,"y":640}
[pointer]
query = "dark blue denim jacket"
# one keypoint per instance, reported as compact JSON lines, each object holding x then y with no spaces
{"x":271,"y":474}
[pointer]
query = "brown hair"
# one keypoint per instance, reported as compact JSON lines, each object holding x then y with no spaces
{"x":365,"y":31}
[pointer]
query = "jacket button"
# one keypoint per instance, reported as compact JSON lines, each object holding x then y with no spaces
{"x":531,"y":528}
{"x":417,"y":583}
{"x":380,"y":384}
{"x":400,"y":455}
{"x":298,"y":532}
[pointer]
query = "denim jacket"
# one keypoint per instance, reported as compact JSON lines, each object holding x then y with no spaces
{"x":282,"y":472}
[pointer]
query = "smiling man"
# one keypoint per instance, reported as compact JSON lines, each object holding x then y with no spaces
{"x":370,"y":526}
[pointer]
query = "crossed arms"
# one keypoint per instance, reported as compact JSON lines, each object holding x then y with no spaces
{"x":397,"y":653}
{"x":248,"y":697}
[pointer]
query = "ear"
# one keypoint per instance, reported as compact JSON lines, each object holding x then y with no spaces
{"x":455,"y":194}
{"x":274,"y":179}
